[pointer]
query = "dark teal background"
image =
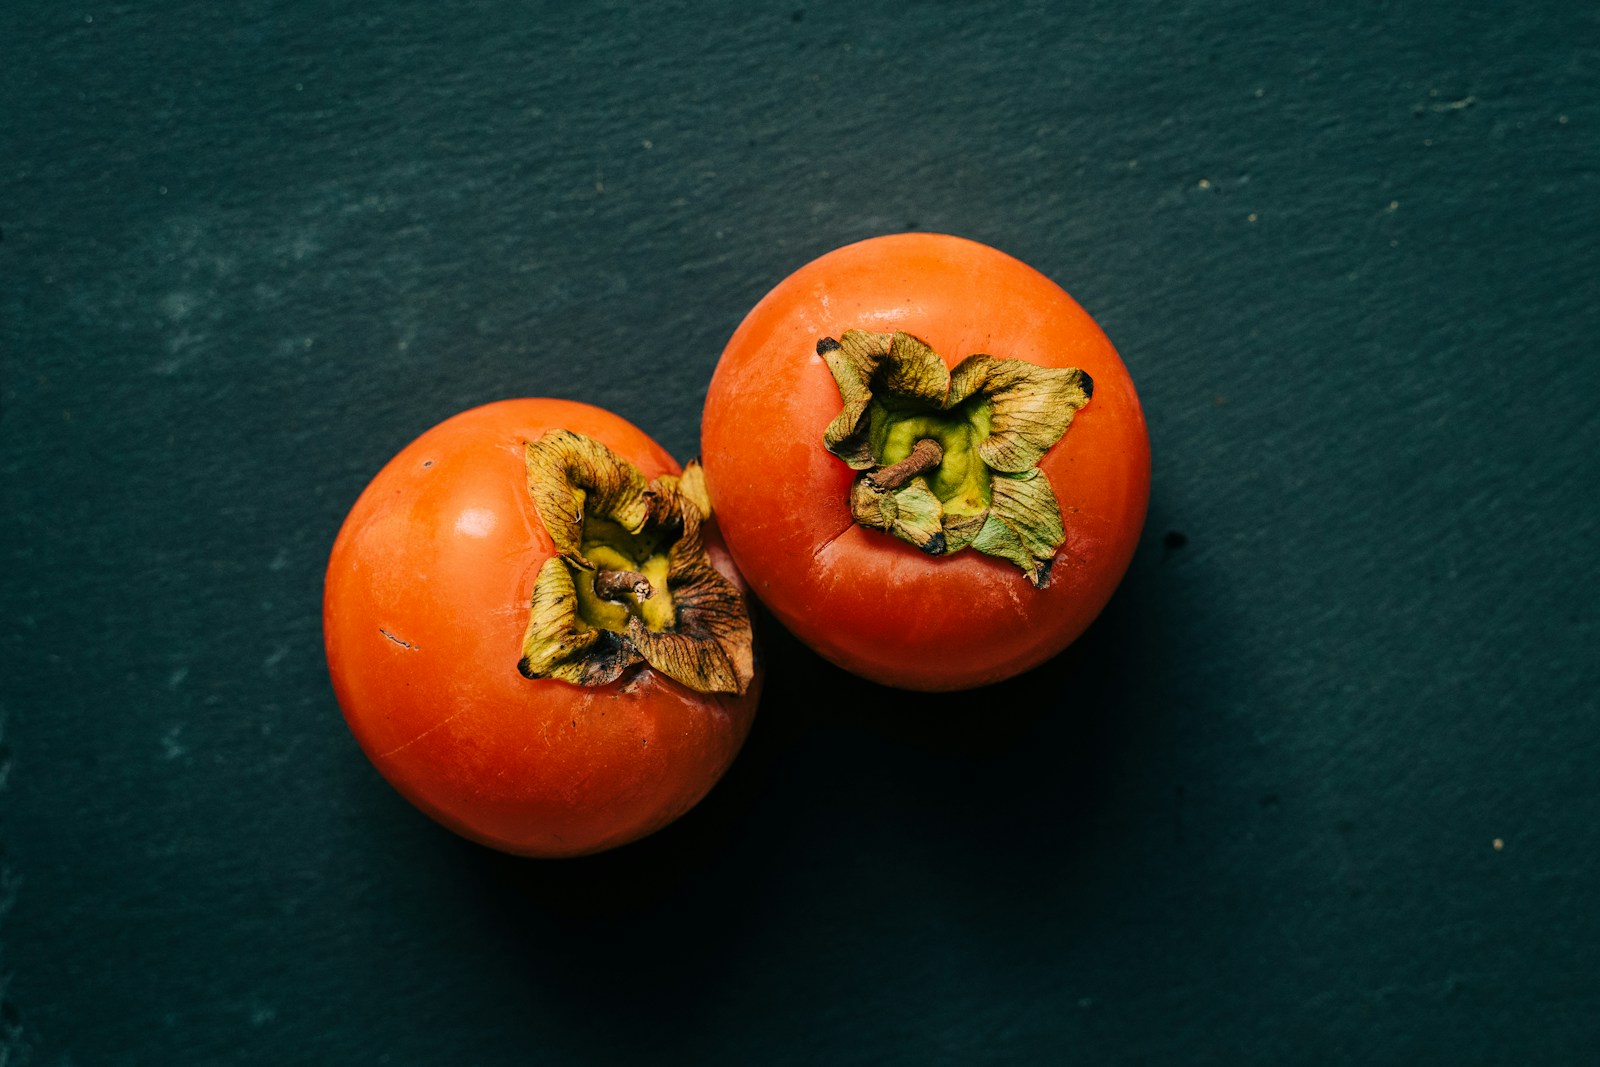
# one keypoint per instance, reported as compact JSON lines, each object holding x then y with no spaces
{"x":1352,"y":259}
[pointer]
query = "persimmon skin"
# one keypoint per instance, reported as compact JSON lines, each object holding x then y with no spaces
{"x":425,"y":604}
{"x":863,"y":599}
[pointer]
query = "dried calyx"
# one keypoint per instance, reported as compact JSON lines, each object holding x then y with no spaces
{"x":630,"y":581}
{"x":949,"y":457}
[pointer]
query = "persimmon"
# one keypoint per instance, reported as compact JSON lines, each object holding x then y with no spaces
{"x":535,"y":633}
{"x":927,"y":460}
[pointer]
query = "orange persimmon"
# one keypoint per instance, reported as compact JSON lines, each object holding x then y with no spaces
{"x":927,"y":460}
{"x":535,"y":633}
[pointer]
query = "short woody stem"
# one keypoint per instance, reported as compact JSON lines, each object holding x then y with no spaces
{"x":614,"y":585}
{"x":924,"y":457}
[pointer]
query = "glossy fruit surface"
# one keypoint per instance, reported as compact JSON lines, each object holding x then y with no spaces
{"x":912,"y":617}
{"x":426,"y":612}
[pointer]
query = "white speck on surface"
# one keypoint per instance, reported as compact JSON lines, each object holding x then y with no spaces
{"x":1394,"y":205}
{"x":177,"y":676}
{"x":1205,"y":183}
{"x":1252,"y":217}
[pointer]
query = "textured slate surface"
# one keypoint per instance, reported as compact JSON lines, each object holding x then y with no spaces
{"x":248,"y":251}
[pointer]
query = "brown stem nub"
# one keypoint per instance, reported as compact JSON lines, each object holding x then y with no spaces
{"x":924,"y":457}
{"x":613,"y":585}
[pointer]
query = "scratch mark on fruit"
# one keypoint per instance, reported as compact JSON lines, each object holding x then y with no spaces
{"x":436,"y":726}
{"x":396,"y":640}
{"x":826,"y":544}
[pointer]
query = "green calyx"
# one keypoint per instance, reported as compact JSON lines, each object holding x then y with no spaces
{"x":631,"y":581}
{"x":949,"y":457}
